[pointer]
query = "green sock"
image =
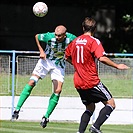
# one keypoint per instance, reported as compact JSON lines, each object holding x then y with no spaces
{"x":52,"y":104}
{"x":24,"y":95}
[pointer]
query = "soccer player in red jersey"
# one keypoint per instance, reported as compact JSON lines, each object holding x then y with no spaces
{"x":82,"y":54}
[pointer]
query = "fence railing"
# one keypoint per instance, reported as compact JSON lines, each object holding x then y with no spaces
{"x":16,"y":68}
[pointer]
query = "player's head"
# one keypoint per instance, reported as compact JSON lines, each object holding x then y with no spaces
{"x":89,"y":25}
{"x":60,"y":33}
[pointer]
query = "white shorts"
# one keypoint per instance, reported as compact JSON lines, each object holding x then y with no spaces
{"x":43,"y":67}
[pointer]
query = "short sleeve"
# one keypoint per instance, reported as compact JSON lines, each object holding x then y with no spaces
{"x":97,"y":48}
{"x":45,"y":37}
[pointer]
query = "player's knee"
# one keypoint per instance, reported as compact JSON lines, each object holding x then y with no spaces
{"x":111,"y":103}
{"x":33,"y":80}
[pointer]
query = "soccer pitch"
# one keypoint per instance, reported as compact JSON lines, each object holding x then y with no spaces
{"x":56,"y":127}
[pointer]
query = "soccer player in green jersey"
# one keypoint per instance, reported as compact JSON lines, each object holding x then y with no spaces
{"x":51,"y":61}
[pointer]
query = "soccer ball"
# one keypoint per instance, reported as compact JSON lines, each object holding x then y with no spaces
{"x":40,"y":9}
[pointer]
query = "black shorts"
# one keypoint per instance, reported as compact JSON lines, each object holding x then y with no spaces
{"x":96,"y":94}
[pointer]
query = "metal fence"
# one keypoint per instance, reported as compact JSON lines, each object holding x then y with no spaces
{"x":16,"y":68}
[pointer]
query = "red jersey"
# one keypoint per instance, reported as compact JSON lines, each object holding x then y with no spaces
{"x":83,"y":51}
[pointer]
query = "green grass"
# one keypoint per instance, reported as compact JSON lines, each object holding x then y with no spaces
{"x":56,"y":127}
{"x":119,"y":85}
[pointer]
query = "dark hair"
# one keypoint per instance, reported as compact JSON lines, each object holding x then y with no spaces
{"x":89,"y":24}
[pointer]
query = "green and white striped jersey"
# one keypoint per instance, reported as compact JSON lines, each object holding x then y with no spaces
{"x":55,"y":51}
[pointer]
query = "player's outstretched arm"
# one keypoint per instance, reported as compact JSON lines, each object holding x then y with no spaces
{"x":109,"y":62}
{"x":122,"y":66}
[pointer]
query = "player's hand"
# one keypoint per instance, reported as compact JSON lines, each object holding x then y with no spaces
{"x":43,"y":56}
{"x":122,"y":66}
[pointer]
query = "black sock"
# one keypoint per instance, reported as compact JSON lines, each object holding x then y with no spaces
{"x":103,"y":116}
{"x":85,"y":118}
